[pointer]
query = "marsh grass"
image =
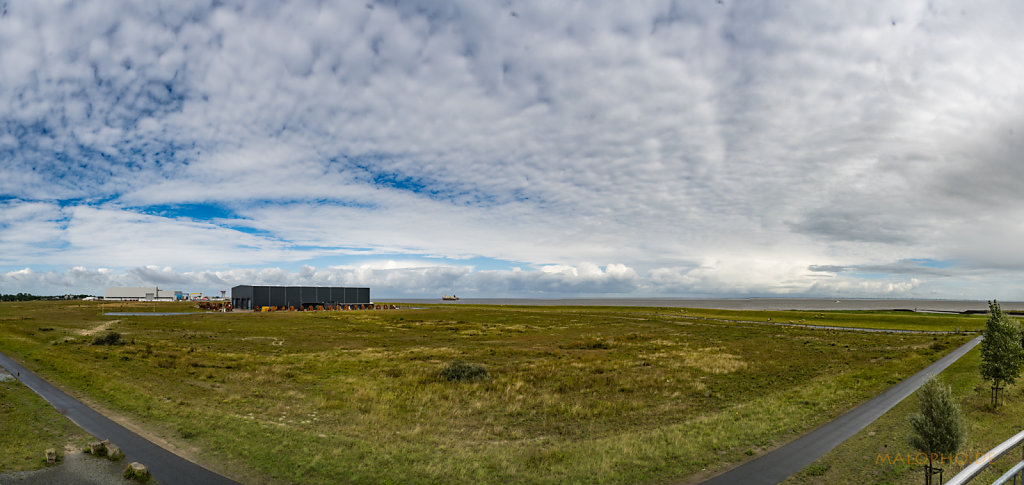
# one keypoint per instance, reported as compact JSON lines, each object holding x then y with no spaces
{"x":576,"y":394}
{"x":459,"y":370}
{"x":893,"y":320}
{"x":861,"y":459}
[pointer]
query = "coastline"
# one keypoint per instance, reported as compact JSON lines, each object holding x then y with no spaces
{"x":776,"y":304}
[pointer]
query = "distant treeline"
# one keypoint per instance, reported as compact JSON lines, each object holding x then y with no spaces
{"x":31,"y":297}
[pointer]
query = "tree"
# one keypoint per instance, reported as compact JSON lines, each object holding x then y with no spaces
{"x":939,"y":429}
{"x":1001,"y":352}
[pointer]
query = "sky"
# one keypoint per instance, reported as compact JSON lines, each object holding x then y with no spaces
{"x":540,"y":149}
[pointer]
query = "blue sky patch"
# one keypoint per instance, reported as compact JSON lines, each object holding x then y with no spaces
{"x":206,"y":212}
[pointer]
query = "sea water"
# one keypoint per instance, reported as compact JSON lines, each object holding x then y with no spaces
{"x":741,"y":303}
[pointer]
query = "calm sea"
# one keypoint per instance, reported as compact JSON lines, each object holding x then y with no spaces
{"x":743,"y":303}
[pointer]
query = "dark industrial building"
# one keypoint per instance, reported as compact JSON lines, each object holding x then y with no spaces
{"x":249,"y":297}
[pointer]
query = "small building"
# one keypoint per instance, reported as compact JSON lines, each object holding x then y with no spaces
{"x":249,"y":297}
{"x":137,"y":293}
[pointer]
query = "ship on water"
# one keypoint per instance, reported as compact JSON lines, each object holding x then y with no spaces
{"x":450,"y":297}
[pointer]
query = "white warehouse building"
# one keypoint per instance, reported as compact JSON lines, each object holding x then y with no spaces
{"x":138,"y":293}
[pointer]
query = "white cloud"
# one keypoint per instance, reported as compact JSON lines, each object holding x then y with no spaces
{"x":704,"y":147}
{"x":391,"y":264}
{"x":584,"y":280}
{"x":404,"y":280}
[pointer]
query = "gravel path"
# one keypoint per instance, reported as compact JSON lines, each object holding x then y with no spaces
{"x":75,"y":469}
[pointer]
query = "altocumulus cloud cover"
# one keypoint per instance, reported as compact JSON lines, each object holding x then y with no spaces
{"x":589,"y":148}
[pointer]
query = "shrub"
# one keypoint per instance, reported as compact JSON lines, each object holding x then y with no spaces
{"x":459,"y":370}
{"x":111,"y":338}
{"x":818,"y":469}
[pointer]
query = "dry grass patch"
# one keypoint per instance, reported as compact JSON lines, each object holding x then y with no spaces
{"x":103,"y":327}
{"x":713,"y":360}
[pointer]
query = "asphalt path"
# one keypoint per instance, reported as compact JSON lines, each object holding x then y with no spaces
{"x":779,"y":464}
{"x":166,"y":467}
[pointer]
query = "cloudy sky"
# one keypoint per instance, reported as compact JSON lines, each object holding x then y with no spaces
{"x":514,"y":148}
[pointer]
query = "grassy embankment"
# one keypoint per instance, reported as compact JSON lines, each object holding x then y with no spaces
{"x":881,"y":454}
{"x":29,"y":425}
{"x":576,"y":393}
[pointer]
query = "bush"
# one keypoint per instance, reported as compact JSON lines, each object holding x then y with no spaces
{"x":459,"y":370}
{"x":111,"y":338}
{"x":817,"y":470}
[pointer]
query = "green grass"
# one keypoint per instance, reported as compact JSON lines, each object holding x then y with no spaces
{"x":873,"y":319}
{"x":573,"y":394}
{"x":879,"y":453}
{"x":29,"y":425}
{"x":890,"y":320}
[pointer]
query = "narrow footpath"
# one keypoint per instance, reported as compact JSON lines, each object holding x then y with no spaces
{"x":778,"y":465}
{"x":166,"y":467}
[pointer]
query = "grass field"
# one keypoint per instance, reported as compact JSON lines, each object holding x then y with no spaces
{"x":29,"y":425}
{"x":575,"y":394}
{"x":881,"y":454}
{"x":887,"y":320}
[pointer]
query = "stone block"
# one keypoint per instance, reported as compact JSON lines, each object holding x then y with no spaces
{"x":97,"y":448}
{"x":137,"y":471}
{"x":114,"y":452}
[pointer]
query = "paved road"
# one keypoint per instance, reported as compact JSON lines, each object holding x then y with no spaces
{"x":166,"y":467}
{"x":779,"y":464}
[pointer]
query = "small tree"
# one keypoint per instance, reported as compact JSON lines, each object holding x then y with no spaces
{"x":939,"y":428}
{"x":1001,"y":350}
